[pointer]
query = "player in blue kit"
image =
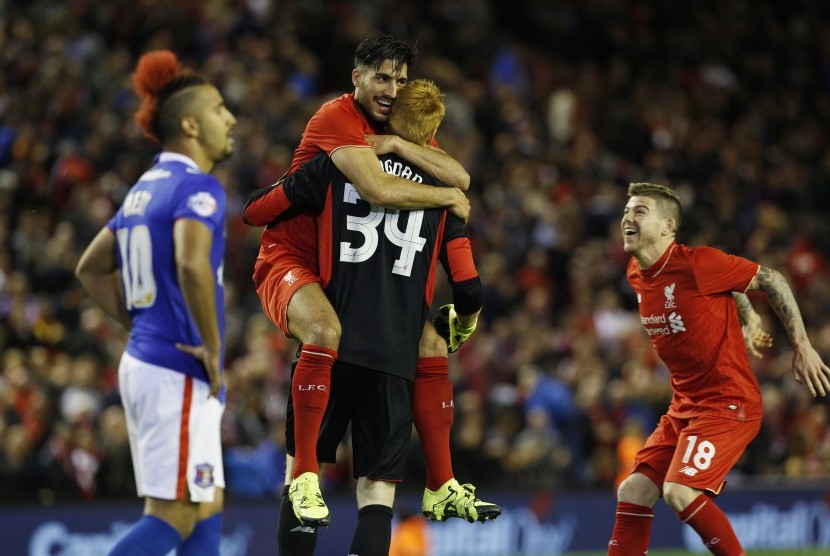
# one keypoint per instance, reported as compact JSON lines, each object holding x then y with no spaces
{"x":156,"y":267}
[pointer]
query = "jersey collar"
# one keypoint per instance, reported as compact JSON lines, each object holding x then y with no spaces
{"x":178,"y":157}
{"x":660,"y":264}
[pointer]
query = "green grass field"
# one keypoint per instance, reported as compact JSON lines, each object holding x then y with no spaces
{"x":815,"y":552}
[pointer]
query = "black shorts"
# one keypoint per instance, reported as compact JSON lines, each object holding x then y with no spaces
{"x":378,"y":406}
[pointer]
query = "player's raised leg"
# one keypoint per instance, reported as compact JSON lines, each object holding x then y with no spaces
{"x":312,"y":320}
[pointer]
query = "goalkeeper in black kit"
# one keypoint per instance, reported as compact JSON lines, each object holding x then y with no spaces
{"x":377,"y":267}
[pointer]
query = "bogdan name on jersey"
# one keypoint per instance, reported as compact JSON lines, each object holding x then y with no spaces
{"x":401,"y":170}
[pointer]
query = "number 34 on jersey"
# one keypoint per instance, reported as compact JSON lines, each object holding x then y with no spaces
{"x":410,"y":240}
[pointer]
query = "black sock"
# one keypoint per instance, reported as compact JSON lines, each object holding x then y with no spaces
{"x":373,"y":533}
{"x":293,"y":539}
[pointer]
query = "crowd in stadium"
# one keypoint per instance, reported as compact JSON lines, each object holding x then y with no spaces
{"x":552,"y":107}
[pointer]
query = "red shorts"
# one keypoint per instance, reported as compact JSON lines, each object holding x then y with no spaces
{"x":276,"y":284}
{"x":695,"y":452}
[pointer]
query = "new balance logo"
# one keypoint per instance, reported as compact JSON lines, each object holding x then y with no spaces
{"x":690,"y":471}
{"x":302,"y":529}
{"x":290,"y":278}
{"x":676,"y":323}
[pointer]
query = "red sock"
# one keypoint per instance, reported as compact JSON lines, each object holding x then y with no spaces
{"x":310,"y":394}
{"x":632,"y":530}
{"x":432,"y":411}
{"x":713,"y":527}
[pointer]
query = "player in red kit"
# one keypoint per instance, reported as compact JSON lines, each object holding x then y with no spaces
{"x":287,"y":275}
{"x":372,"y":382}
{"x":687,"y":307}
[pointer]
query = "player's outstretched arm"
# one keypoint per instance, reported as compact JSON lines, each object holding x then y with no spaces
{"x":808,"y":368}
{"x":755,"y":337}
{"x":97,"y":271}
{"x":265,"y":205}
{"x":433,"y":160}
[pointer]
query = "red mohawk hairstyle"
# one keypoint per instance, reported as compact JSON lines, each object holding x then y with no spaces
{"x":157,"y":77}
{"x":154,"y":72}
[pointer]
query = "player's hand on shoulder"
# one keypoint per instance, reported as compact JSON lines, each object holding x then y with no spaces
{"x":459,"y":204}
{"x":382,"y":144}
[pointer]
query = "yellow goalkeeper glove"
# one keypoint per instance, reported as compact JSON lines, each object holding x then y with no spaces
{"x":449,"y":327}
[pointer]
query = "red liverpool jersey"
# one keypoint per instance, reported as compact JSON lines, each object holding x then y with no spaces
{"x":338,"y":123}
{"x":688,"y":311}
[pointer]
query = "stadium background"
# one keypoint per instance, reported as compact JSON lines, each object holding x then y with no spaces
{"x":553,"y":107}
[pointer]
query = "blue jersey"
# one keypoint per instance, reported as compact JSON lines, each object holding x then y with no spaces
{"x":174,"y":188}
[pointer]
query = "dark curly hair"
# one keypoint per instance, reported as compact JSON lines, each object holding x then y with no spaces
{"x":373,"y":51}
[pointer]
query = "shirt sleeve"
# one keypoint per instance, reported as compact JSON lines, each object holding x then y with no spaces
{"x":112,"y":224}
{"x":202,"y":198}
{"x":266,"y":205}
{"x":718,"y":272}
{"x":334,"y":127}
{"x":306,"y":188}
{"x":457,"y":254}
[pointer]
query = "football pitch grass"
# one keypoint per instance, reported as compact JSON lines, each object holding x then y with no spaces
{"x":678,"y":552}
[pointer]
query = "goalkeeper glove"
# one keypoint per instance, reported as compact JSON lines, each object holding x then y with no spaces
{"x":449,"y":327}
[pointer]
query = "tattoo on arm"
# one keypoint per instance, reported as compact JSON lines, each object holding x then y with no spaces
{"x":783,"y":302}
{"x":745,"y":308}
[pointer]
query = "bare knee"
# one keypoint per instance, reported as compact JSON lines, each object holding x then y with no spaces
{"x":324,"y":332}
{"x":431,"y":344}
{"x":638,"y":489}
{"x":678,"y":497}
{"x":312,"y":319}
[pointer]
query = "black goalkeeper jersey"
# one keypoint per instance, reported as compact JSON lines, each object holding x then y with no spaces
{"x":377,"y":265}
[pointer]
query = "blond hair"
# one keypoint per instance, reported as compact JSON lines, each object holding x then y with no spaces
{"x":417,"y":111}
{"x":667,"y":200}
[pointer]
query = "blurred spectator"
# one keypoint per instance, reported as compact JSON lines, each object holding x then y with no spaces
{"x":411,"y":536}
{"x":115,"y":476}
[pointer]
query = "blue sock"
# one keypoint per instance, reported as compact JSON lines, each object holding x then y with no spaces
{"x":150,"y":536}
{"x":204,"y":540}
